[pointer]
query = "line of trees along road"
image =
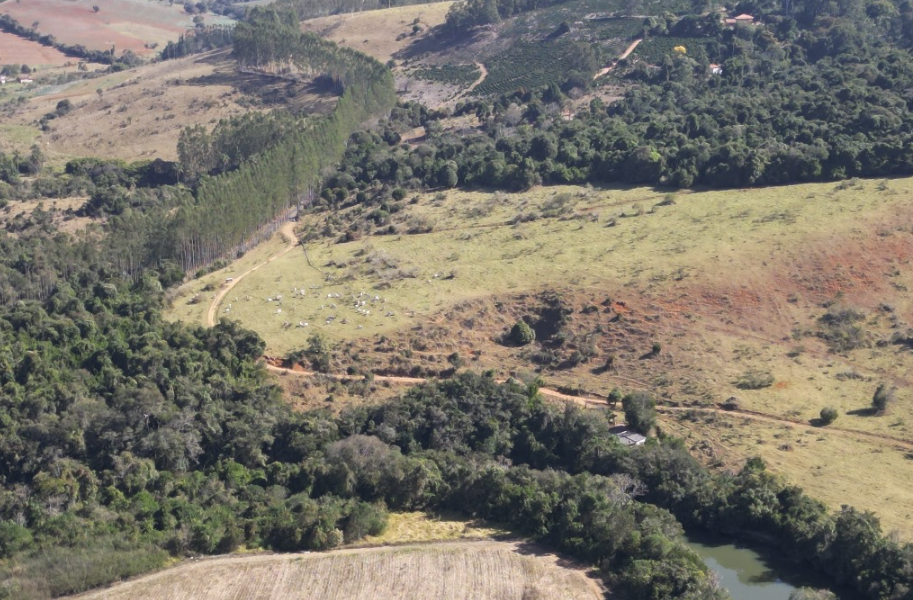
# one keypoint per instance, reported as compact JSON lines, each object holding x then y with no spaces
{"x":232,"y":207}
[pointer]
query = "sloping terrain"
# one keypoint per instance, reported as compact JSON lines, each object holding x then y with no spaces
{"x":139,"y":113}
{"x":791,"y":299}
{"x":447,"y":571}
{"x":142,"y":26}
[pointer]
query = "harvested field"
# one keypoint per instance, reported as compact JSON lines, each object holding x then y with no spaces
{"x":139,"y":113}
{"x":135,"y":25}
{"x":16,"y":50}
{"x":443,"y":571}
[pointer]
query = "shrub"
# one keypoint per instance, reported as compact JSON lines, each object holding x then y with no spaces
{"x":883,"y":397}
{"x":656,"y":349}
{"x":828,"y":415}
{"x":522,"y":334}
{"x":841,"y":330}
{"x":754,"y":380}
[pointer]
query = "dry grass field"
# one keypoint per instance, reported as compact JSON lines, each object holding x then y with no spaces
{"x":481,"y":570}
{"x":139,"y":113}
{"x":375,"y":32}
{"x":60,"y":210}
{"x":135,"y":25}
{"x":731,"y":283}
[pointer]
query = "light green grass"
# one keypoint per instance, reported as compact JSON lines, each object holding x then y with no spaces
{"x":18,"y":136}
{"x":695,"y":237}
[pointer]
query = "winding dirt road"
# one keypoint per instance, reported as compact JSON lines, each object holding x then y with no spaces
{"x":287,"y":230}
{"x":482,"y":76}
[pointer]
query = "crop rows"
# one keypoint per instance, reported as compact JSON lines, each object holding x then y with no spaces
{"x":655,"y":49}
{"x":527,"y":65}
{"x":459,"y":75}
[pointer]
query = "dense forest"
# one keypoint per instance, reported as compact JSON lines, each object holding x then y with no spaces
{"x":818,"y":94}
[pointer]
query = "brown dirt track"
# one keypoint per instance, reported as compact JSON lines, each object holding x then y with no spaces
{"x":485,"y":570}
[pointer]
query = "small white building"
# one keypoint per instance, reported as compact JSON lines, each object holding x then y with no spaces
{"x":2,"y":79}
{"x":25,"y":80}
{"x":716,"y":70}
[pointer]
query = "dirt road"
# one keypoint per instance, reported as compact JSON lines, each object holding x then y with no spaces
{"x":287,"y":230}
{"x":623,"y":56}
{"x":483,"y":74}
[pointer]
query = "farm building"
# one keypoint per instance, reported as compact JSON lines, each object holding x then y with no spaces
{"x":716,"y":70}
{"x":628,"y":437}
{"x":26,"y":80}
{"x":2,"y":79}
{"x":743,"y":18}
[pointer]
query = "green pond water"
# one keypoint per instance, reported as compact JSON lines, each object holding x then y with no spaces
{"x":750,"y":575}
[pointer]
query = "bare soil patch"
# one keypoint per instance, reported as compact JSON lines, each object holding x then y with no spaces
{"x":17,"y":50}
{"x":134,"y":25}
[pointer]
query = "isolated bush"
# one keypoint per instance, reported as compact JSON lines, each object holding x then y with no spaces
{"x":884,"y":396}
{"x":828,"y":415}
{"x":840,"y":328}
{"x":522,"y":334}
{"x":656,"y":349}
{"x":754,"y":380}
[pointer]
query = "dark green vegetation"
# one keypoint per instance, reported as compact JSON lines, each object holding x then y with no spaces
{"x":532,"y":65}
{"x":564,"y":43}
{"x":202,"y":39}
{"x":819,"y":94}
{"x":460,"y":75}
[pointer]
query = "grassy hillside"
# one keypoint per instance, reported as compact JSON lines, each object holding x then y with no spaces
{"x":450,"y":571}
{"x":139,"y":113}
{"x":736,"y":286}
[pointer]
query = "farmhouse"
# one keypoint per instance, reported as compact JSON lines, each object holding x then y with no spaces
{"x":2,"y":79}
{"x":628,"y":437}
{"x":716,"y":70}
{"x":26,"y":80}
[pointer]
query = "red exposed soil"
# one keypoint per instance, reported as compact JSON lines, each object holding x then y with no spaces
{"x":17,"y":50}
{"x":124,"y":24}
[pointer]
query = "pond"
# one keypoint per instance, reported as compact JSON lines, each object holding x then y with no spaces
{"x":751,"y":575}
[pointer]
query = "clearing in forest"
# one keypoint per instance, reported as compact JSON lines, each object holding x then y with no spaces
{"x":790,"y":299}
{"x":482,"y":570}
{"x":380,"y":33}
